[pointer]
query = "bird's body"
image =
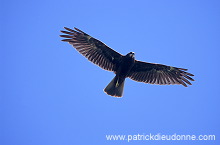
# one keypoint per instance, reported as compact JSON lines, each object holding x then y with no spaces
{"x":124,"y":65}
{"x":116,"y":86}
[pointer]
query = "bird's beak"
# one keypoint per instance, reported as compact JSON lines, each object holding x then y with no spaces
{"x":132,"y":54}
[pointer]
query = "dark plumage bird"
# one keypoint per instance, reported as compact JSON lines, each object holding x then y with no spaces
{"x":124,"y":65}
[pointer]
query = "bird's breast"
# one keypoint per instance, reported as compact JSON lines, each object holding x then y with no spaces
{"x":125,"y":66}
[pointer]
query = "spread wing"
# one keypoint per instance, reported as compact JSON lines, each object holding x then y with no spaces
{"x":93,"y":49}
{"x":159,"y":74}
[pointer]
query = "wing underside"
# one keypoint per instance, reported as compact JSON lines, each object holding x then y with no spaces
{"x":93,"y":49}
{"x":159,"y":74}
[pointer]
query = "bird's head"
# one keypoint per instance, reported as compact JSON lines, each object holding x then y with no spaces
{"x":131,"y":54}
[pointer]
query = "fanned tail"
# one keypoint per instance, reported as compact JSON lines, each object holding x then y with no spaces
{"x":115,"y":87}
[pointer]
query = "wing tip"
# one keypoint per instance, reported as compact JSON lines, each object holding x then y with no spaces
{"x":65,"y":40}
{"x":66,"y":28}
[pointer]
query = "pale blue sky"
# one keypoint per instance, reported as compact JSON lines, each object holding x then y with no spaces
{"x":52,"y":95}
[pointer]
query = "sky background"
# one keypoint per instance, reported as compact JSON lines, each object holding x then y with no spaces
{"x":52,"y":95}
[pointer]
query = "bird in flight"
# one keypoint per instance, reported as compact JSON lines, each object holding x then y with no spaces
{"x":124,"y":66}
